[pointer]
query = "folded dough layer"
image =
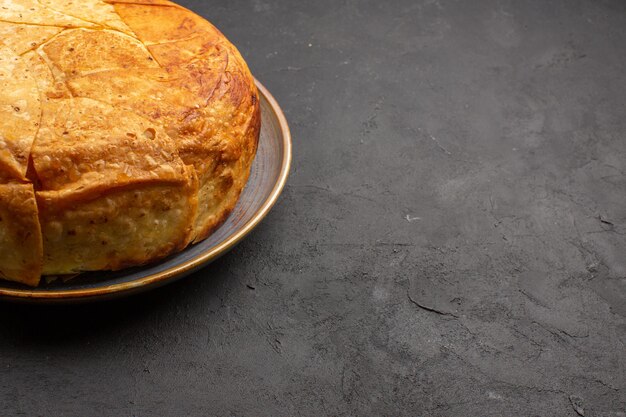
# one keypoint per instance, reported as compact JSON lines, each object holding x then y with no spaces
{"x":20,"y":234}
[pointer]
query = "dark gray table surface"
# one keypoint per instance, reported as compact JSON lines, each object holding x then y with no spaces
{"x":451,"y":241}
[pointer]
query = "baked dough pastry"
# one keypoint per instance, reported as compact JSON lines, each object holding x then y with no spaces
{"x":127,"y":131}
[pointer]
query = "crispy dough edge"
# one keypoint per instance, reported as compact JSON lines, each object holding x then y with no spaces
{"x":251,"y":139}
{"x":21,"y":228}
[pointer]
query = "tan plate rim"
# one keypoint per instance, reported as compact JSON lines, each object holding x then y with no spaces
{"x":187,"y":267}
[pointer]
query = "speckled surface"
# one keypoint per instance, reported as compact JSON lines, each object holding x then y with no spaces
{"x":451,"y":241}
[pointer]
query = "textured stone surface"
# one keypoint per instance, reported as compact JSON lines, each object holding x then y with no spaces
{"x":451,"y":242}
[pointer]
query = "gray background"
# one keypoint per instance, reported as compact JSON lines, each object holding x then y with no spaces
{"x":451,"y":241}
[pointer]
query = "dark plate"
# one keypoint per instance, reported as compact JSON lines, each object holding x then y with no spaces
{"x":267,"y":179}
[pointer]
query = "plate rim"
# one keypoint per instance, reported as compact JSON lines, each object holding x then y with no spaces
{"x":187,"y":267}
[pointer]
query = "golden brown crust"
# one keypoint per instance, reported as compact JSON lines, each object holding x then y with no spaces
{"x":81,"y":145}
{"x":20,"y":112}
{"x":138,"y":112}
{"x":24,"y":38}
{"x":20,"y":235}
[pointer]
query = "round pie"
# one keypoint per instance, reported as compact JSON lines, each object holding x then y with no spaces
{"x":127,"y":131}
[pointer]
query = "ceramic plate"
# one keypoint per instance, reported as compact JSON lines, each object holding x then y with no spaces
{"x":267,"y":179}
